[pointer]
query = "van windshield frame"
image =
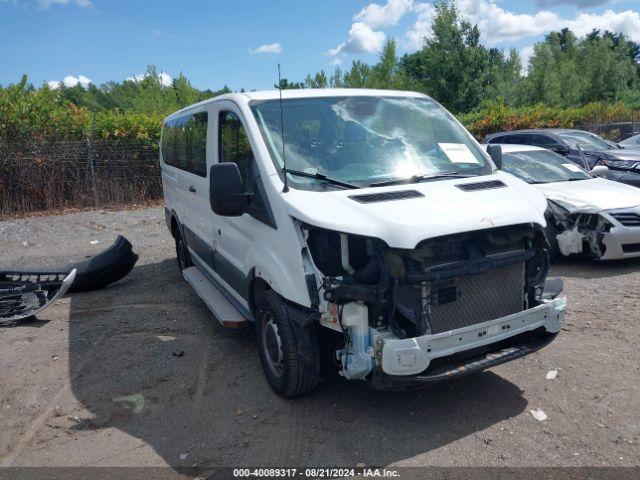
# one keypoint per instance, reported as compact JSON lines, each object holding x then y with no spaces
{"x":363,"y":140}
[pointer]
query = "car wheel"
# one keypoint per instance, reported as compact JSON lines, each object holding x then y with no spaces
{"x":288,"y":374}
{"x":182,"y":253}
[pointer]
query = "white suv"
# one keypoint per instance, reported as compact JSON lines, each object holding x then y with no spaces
{"x":363,"y":226}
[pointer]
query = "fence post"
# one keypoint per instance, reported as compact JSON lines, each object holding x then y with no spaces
{"x":90,"y":159}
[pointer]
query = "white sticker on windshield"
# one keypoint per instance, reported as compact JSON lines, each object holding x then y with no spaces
{"x":458,"y":152}
{"x":572,"y":166}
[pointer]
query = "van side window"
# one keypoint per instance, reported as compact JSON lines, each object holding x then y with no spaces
{"x":235,"y":147}
{"x":184,"y":143}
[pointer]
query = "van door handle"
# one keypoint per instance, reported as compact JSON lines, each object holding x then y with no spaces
{"x":192,"y":189}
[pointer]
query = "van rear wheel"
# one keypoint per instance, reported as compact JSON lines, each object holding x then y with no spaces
{"x":182,"y":253}
{"x":288,"y":373}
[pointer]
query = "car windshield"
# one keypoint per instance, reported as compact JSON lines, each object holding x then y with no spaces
{"x":542,"y":166}
{"x":364,"y":140}
{"x":585,"y":140}
{"x":632,"y":141}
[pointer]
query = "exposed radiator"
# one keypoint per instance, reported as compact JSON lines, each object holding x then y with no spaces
{"x":472,"y":299}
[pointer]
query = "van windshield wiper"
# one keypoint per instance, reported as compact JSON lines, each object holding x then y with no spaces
{"x":320,"y":176}
{"x":420,"y":178}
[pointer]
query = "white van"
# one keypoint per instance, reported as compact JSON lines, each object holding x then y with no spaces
{"x":366,"y":227}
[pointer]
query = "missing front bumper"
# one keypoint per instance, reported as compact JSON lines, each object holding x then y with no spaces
{"x":474,"y":361}
{"x":413,"y":356}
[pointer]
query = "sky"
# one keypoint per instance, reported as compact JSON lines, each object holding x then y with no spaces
{"x":239,"y":43}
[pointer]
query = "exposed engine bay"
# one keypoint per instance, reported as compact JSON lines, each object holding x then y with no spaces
{"x":444,"y":284}
{"x":577,"y":232}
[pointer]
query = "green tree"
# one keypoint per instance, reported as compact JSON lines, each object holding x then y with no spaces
{"x":358,"y":76}
{"x":453,"y":66}
{"x":317,"y":81}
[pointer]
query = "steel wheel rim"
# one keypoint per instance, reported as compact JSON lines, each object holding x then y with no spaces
{"x":272,"y":344}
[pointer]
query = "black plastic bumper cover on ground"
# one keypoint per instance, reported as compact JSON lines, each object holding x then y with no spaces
{"x":105,"y":268}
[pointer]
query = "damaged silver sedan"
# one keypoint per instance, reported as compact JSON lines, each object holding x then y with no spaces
{"x":587,"y":215}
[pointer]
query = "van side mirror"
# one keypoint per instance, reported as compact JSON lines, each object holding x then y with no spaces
{"x":226,"y":190}
{"x":495,"y":151}
{"x":560,"y":150}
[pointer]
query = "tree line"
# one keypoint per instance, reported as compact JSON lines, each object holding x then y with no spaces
{"x":566,"y":77}
{"x":457,"y":70}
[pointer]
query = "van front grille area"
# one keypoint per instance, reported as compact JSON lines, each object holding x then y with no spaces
{"x":473,"y":299}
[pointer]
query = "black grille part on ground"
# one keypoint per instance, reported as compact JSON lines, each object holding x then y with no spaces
{"x":23,"y":293}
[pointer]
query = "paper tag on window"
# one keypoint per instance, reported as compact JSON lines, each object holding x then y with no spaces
{"x":572,"y":166}
{"x":458,"y":152}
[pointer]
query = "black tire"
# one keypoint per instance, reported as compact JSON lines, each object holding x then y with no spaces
{"x":288,"y":373}
{"x":552,"y":232}
{"x":182,"y":253}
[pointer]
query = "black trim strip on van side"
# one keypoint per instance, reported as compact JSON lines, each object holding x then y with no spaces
{"x":218,"y":263}
{"x":225,"y":292}
{"x":231,"y":274}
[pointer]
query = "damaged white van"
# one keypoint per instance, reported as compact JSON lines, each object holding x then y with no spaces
{"x":365,"y":227}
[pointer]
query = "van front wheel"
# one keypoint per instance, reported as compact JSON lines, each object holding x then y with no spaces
{"x":289,"y":373}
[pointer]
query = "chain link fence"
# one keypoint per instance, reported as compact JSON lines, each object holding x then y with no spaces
{"x":43,"y":175}
{"x":48,"y":174}
{"x":616,"y":132}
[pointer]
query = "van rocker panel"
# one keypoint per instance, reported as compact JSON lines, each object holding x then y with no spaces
{"x":411,"y":356}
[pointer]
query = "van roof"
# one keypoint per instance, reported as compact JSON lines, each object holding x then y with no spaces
{"x":246,"y":97}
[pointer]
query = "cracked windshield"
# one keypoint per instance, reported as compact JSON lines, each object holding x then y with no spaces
{"x":366,"y":140}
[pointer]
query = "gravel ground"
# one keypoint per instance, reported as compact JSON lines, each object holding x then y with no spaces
{"x":140,"y":374}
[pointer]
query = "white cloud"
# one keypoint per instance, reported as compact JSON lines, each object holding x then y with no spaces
{"x":70,"y":81}
{"x":577,"y":3}
{"x":525,"y":55}
{"x":627,"y":22}
{"x":379,"y":16}
{"x":165,"y":78}
{"x":496,"y":24}
{"x":414,"y":38}
{"x":273,"y":48}
{"x":47,"y":4}
{"x":362,"y":39}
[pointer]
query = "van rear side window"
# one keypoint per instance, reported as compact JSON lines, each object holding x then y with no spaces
{"x":184,"y":143}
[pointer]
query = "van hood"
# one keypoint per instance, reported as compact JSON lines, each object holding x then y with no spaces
{"x":591,"y":196}
{"x":444,"y":209}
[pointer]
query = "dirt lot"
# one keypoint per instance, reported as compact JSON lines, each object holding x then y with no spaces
{"x":140,"y":374}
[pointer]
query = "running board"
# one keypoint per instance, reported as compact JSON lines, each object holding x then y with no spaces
{"x":222,"y":309}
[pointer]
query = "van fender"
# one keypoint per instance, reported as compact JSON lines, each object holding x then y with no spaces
{"x":277,"y":273}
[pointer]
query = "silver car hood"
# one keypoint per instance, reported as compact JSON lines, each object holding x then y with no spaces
{"x":592,"y":195}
